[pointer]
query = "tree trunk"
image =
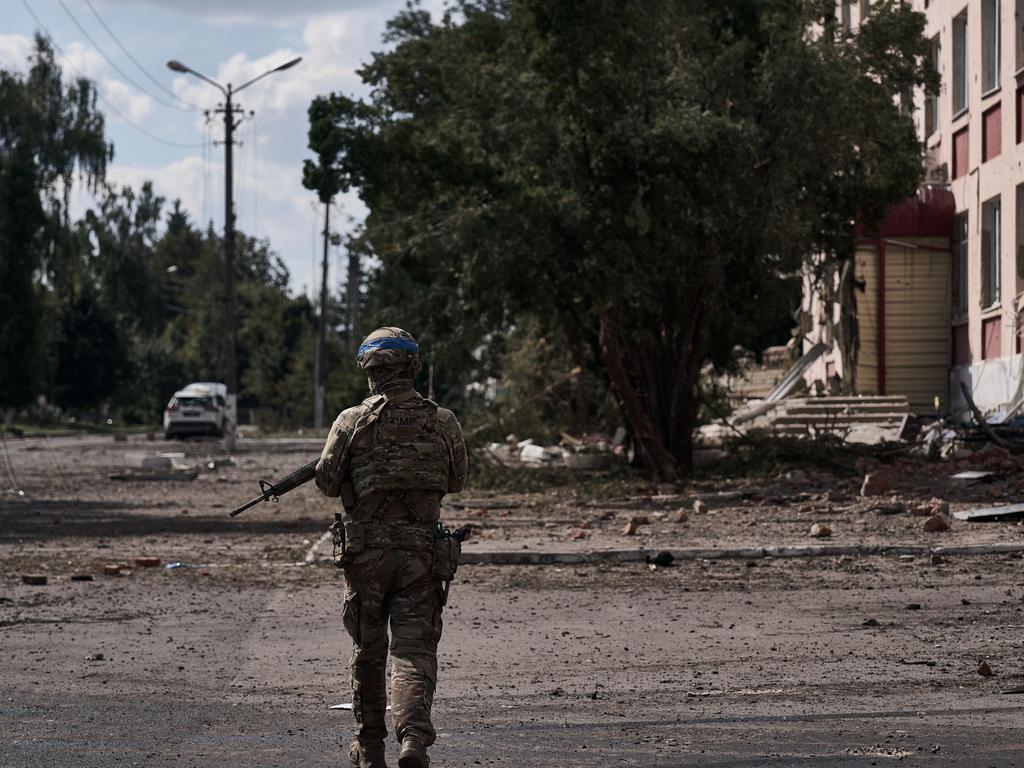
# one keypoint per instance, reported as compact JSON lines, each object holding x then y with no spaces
{"x":646,"y":432}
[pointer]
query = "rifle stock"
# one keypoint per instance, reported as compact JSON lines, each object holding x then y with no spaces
{"x":271,"y":492}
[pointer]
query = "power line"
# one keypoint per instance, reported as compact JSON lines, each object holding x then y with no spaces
{"x":99,"y":95}
{"x":135,"y":61}
{"x":115,"y":65}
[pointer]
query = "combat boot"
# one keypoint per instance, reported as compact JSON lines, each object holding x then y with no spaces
{"x":413,"y":755}
{"x":363,"y":756}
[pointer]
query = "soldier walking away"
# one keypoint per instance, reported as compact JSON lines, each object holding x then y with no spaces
{"x":391,"y":460}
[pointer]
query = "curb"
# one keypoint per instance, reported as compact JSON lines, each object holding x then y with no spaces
{"x":726,"y":553}
{"x":526,"y":557}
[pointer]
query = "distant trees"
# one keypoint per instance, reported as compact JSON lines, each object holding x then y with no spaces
{"x":637,"y":177}
{"x":113,"y":312}
{"x":51,"y":134}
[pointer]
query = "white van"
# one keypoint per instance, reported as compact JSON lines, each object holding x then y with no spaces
{"x":198,"y":409}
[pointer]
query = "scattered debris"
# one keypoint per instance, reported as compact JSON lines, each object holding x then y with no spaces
{"x":116,"y":569}
{"x":820,"y":531}
{"x":876,"y":483}
{"x":34,"y":579}
{"x":82,"y":577}
{"x":629,"y":529}
{"x":349,"y":706}
{"x":578,"y":534}
{"x":871,"y":623}
{"x":937,"y":523}
{"x":891,"y":507}
{"x":912,"y":607}
{"x":700,"y":507}
{"x":682,"y":515}
{"x":95,"y":657}
{"x":971,"y":474}
{"x":985,"y":670}
{"x":663,"y":558}
{"x":176,"y":565}
{"x":1018,"y":689}
{"x":147,"y":562}
{"x":991,"y":514}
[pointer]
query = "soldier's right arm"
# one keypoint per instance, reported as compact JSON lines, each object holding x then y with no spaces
{"x":333,"y":464}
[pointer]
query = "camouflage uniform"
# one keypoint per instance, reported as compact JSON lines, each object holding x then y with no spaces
{"x":391,"y":459}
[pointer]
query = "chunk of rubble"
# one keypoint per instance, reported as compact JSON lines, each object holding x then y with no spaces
{"x":820,"y":531}
{"x":985,"y":670}
{"x":629,"y":529}
{"x":876,"y":483}
{"x":699,"y":507}
{"x":936,"y":524}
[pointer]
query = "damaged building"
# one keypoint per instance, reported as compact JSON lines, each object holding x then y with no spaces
{"x":930,"y":305}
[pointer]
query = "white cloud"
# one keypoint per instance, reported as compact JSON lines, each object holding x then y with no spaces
{"x":80,"y":60}
{"x":129,"y":102}
{"x":14,"y":52}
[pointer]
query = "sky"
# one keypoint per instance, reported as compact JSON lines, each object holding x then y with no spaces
{"x":155,"y":117}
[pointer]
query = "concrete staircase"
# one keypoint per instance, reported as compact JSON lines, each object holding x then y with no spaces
{"x":869,"y":418}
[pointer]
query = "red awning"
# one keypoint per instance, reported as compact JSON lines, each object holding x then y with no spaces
{"x":929,"y":213}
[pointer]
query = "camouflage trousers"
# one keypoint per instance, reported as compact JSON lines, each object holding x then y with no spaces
{"x":393,"y":586}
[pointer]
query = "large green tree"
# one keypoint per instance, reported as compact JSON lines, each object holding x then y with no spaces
{"x":51,"y":134}
{"x":639,"y":174}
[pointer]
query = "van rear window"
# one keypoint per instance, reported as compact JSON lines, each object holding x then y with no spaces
{"x":192,"y":402}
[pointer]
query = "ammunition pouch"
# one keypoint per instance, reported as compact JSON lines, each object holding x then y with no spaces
{"x":351,"y":539}
{"x":447,"y":551}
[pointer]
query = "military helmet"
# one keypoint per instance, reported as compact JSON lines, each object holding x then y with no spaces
{"x":388,"y":346}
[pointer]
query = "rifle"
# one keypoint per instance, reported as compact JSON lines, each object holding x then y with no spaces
{"x":271,"y":492}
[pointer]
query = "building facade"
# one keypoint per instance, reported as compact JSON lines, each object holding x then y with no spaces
{"x":973,"y":131}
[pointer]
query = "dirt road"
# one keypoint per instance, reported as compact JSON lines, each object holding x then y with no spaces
{"x":817,"y":662}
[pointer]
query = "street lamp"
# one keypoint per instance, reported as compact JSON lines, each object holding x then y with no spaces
{"x":229,"y":111}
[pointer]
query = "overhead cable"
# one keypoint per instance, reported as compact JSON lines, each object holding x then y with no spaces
{"x":135,"y":61}
{"x":115,"y":65}
{"x":99,"y":95}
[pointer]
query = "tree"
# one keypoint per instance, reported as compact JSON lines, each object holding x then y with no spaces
{"x":641,"y":175}
{"x":49,"y":131}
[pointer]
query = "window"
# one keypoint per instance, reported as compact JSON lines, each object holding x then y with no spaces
{"x":959,"y":78}
{"x":960,"y":266}
{"x":991,"y":133}
{"x":991,"y":227}
{"x":931,"y":100}
{"x":960,"y":153}
{"x":865,"y":10}
{"x":989,"y":45}
{"x":991,"y":337}
{"x":847,"y":16}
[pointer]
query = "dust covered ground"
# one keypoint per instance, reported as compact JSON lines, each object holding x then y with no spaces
{"x":236,"y":661}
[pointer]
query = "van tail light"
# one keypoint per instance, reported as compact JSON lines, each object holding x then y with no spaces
{"x":173,"y":407}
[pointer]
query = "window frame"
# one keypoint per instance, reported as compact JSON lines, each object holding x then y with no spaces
{"x":991,"y":248}
{"x":931,"y":101}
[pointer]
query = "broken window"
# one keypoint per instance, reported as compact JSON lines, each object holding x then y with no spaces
{"x":991,"y":221}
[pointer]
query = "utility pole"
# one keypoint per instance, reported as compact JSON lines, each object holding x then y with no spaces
{"x":352,"y":299}
{"x":229,"y":111}
{"x":230,"y":358}
{"x":319,"y":359}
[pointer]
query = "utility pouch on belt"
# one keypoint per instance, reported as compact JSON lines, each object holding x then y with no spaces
{"x":348,"y":540}
{"x":447,"y":550}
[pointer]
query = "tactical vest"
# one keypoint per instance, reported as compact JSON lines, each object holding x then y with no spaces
{"x":405,"y":451}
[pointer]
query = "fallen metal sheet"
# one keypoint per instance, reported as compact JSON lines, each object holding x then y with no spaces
{"x":1018,"y":689}
{"x":991,"y":514}
{"x":794,"y":374}
{"x":348,"y":705}
{"x":971,"y":474}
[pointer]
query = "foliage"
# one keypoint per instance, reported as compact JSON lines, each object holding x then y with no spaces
{"x":49,"y":130}
{"x":640,"y":175}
